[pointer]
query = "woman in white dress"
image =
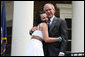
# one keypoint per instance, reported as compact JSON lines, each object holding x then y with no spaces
{"x":35,"y":46}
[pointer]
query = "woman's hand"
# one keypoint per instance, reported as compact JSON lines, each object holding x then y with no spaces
{"x":60,"y":39}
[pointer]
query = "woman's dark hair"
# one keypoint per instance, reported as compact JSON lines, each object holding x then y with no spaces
{"x":38,"y":18}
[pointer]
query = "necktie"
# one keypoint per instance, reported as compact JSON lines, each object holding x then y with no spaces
{"x":49,"y":23}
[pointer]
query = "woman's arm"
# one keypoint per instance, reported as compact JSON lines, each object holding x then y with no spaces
{"x":46,"y":37}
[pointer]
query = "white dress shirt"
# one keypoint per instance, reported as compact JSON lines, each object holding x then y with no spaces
{"x":51,"y":19}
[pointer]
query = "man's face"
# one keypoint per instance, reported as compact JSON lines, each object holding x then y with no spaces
{"x":49,"y":11}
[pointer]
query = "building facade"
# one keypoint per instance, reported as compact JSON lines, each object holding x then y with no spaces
{"x":20,"y":17}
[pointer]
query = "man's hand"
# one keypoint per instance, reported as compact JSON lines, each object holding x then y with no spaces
{"x":34,"y":28}
{"x":60,"y":55}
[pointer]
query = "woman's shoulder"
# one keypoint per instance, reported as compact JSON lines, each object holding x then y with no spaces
{"x":43,"y":23}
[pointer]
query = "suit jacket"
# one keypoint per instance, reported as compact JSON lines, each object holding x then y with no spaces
{"x":57,"y":28}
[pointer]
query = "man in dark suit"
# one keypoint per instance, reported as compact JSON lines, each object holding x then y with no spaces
{"x":56,"y":28}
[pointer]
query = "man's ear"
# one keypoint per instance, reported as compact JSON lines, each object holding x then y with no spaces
{"x":54,"y":10}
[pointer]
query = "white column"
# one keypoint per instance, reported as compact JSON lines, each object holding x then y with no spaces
{"x":78,"y":26}
{"x":22,"y":23}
